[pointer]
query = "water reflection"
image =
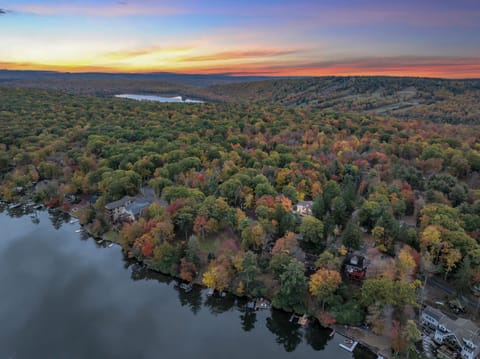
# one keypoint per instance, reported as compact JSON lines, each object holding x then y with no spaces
{"x":316,"y":336}
{"x":58,"y":218}
{"x":83,"y":299}
{"x":248,"y":319}
{"x":287,"y":333}
{"x":193,"y":299}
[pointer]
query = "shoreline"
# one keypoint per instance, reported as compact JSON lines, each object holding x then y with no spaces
{"x":335,"y":328}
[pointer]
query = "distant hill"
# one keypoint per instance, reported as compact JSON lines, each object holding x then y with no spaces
{"x":439,"y":100}
{"x":106,"y":84}
{"x":403,"y":97}
{"x":199,"y":80}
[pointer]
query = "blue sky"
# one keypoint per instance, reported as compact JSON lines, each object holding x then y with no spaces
{"x":424,"y":38}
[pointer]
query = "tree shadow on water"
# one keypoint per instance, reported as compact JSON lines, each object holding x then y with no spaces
{"x":287,"y":334}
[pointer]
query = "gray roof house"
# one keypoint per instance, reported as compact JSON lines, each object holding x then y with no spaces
{"x":431,"y":317}
{"x":461,"y":335}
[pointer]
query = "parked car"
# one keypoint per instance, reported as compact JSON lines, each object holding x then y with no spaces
{"x":456,"y":305}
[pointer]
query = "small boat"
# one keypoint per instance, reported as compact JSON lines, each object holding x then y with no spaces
{"x":78,"y":230}
{"x":110,"y":245}
{"x":73,"y":221}
{"x":332,"y":333}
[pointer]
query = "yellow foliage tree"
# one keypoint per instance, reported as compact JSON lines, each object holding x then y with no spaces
{"x":406,"y":264}
{"x":323,"y":283}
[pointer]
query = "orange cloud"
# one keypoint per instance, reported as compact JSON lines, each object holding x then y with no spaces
{"x":131,"y":54}
{"x":235,"y":55}
{"x":443,"y":67}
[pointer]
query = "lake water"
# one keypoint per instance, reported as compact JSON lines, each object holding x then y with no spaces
{"x":157,"y":98}
{"x":65,"y":296}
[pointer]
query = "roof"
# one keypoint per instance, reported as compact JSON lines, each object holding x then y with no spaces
{"x":305,"y":203}
{"x":357,"y":261}
{"x":121,"y":202}
{"x":137,"y":207}
{"x":433,"y":312}
{"x":462,"y":329}
{"x":135,"y":204}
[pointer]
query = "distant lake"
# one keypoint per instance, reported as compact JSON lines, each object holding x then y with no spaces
{"x":157,"y":98}
{"x":65,"y":296}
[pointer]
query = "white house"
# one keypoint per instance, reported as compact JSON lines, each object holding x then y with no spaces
{"x":303,"y":208}
{"x":431,"y":317}
{"x":461,"y":335}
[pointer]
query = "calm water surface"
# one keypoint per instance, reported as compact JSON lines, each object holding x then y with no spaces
{"x":65,"y":296}
{"x":157,"y":98}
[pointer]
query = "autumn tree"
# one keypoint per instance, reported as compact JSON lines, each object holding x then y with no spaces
{"x":323,"y":283}
{"x":406,"y":263}
{"x":218,"y":275}
{"x":252,"y":237}
{"x":187,"y":270}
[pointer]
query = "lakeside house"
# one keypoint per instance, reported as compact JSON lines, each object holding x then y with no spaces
{"x":303,"y":208}
{"x":431,"y":317}
{"x":116,"y":211}
{"x":356,"y":266}
{"x":461,"y":335}
{"x":130,"y":208}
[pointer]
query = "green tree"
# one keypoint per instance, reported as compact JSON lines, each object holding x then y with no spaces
{"x":291,"y":295}
{"x":311,"y":229}
{"x":351,"y":237}
{"x":250,"y":273}
{"x":412,"y":335}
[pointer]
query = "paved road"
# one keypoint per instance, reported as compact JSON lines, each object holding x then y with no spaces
{"x":439,"y":283}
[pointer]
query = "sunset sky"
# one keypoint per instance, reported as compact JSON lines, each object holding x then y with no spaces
{"x":437,"y":38}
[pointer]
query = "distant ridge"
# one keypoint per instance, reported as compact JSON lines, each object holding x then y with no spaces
{"x":433,"y":99}
{"x":201,"y":80}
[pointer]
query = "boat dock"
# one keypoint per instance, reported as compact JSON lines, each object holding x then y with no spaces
{"x":261,"y":303}
{"x":348,"y":344}
{"x":300,"y":320}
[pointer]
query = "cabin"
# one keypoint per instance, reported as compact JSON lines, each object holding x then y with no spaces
{"x":356,"y":266}
{"x":303,"y":208}
{"x":461,"y":335}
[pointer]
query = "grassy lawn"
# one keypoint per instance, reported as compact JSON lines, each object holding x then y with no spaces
{"x":112,"y":236}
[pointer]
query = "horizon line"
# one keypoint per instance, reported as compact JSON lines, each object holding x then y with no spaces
{"x":234,"y":75}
